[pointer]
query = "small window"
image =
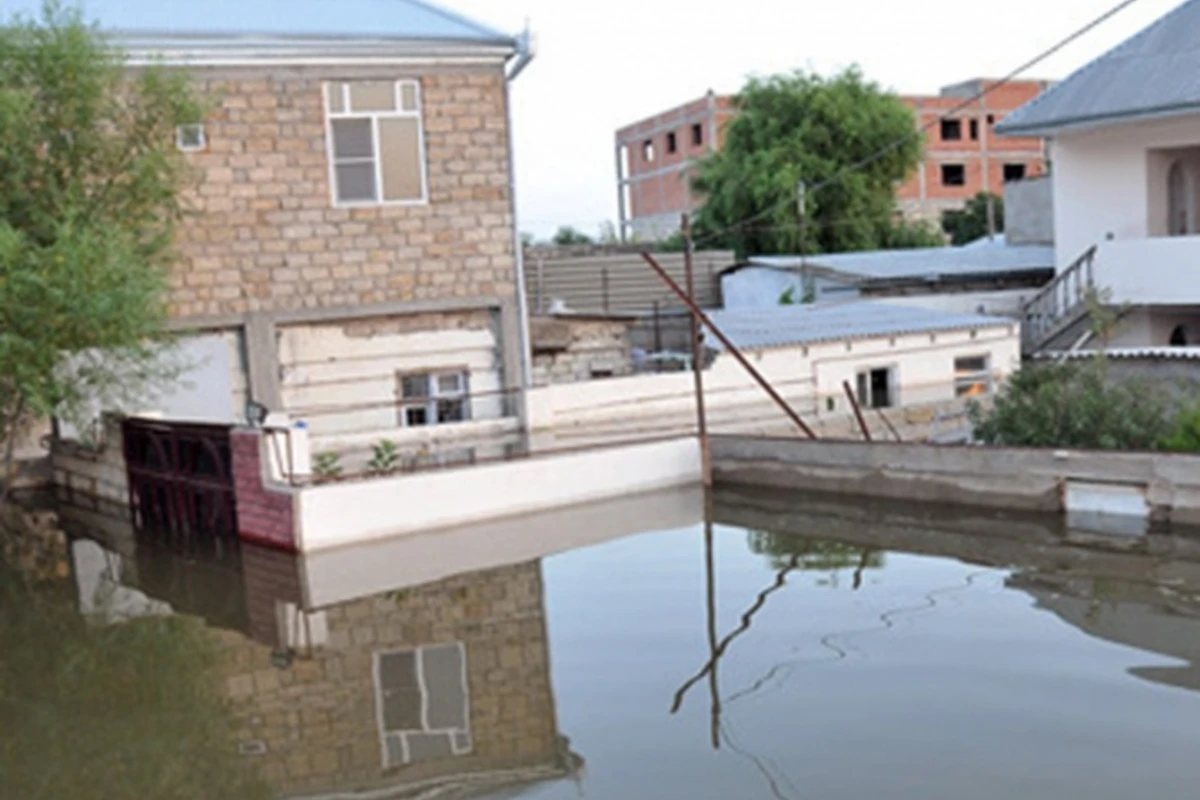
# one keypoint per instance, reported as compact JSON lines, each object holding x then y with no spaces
{"x":433,"y":398}
{"x":672,"y":143}
{"x":972,"y":377}
{"x":875,"y":388}
{"x":648,"y":151}
{"x":974,"y":128}
{"x":190,"y":138}
{"x":991,"y":119}
{"x":951,"y":130}
{"x":697,"y":135}
{"x":1014,"y":172}
{"x":376,"y":142}
{"x":422,"y":704}
{"x":954,"y":175}
{"x":1179,"y":337}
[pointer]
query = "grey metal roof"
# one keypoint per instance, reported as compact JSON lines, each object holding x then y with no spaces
{"x":760,"y":328}
{"x":408,"y":20}
{"x":1154,"y":73}
{"x":932,"y":264}
{"x":1125,"y":353}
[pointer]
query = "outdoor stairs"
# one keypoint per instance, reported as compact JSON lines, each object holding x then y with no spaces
{"x":1057,"y":314}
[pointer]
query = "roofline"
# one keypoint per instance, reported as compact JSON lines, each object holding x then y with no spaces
{"x":247,"y":49}
{"x":1049,"y":129}
{"x":984,"y":323}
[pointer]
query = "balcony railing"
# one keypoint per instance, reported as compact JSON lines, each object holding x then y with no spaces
{"x":1059,"y":303}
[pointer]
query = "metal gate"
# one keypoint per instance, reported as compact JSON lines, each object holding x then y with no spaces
{"x":181,"y":486}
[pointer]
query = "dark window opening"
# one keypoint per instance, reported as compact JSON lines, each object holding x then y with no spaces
{"x":648,"y":150}
{"x":697,"y":135}
{"x":954,"y":175}
{"x":974,"y":130}
{"x":991,"y":119}
{"x":1179,"y":337}
{"x":672,"y":143}
{"x":951,"y":130}
{"x":875,"y":388}
{"x":1014,"y":172}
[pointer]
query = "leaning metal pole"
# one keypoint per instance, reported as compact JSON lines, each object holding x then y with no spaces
{"x":697,"y":356}
{"x":734,"y":351}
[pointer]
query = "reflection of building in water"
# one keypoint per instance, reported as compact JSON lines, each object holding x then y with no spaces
{"x":447,"y":682}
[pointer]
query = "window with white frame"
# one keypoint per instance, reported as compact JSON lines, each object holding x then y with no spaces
{"x":422,"y":704}
{"x":433,"y":398}
{"x":876,"y":388}
{"x":972,"y":376}
{"x":190,"y":138}
{"x":376,"y":142}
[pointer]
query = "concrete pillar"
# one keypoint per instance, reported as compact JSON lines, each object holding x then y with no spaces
{"x":262,"y":361}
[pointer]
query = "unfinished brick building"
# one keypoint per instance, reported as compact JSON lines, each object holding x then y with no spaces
{"x":656,"y":156}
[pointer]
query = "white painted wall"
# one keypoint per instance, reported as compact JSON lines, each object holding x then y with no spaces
{"x":1007,"y":303}
{"x":761,"y":287}
{"x":1106,"y":182}
{"x":343,"y":384}
{"x":1155,"y":271}
{"x":213,"y":388}
{"x":349,"y":513}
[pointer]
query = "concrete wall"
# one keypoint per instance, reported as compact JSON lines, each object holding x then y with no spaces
{"x":1168,"y":485}
{"x":762,"y":287}
{"x":347,"y":513}
{"x":1154,"y":271}
{"x":1029,"y":211}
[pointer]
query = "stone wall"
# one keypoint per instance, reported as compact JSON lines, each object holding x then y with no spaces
{"x":569,"y":350}
{"x":91,"y":486}
{"x":313,"y":726}
{"x":265,"y":234}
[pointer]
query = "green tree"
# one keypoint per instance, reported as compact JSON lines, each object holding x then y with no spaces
{"x":802,"y":127}
{"x":89,"y":198}
{"x":1075,"y":405}
{"x":970,"y":223}
{"x":566,"y":235}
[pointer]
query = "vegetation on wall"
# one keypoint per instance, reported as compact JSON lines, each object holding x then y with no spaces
{"x":822,"y":131}
{"x":90,"y":181}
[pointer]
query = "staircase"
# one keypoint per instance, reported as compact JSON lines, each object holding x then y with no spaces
{"x":1059,"y":304}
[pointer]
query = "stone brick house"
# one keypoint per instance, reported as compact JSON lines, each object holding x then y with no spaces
{"x":351,"y":240}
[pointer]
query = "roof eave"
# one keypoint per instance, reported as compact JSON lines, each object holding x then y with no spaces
{"x":1052,"y":128}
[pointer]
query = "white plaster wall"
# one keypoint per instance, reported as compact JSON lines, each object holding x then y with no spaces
{"x":1156,"y":271}
{"x":213,"y":387}
{"x":1007,"y":303}
{"x":1106,"y":182}
{"x":761,"y":287}
{"x":338,"y":514}
{"x":348,"y":384}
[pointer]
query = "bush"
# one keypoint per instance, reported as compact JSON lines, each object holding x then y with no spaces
{"x":1186,"y":436}
{"x":1075,"y":405}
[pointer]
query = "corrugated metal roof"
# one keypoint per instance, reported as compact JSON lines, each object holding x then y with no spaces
{"x":755,"y":329}
{"x":932,"y":263}
{"x":1126,"y":353}
{"x":1154,"y":73}
{"x":408,"y":20}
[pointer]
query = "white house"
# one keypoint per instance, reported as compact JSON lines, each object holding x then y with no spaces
{"x":1125,"y":150}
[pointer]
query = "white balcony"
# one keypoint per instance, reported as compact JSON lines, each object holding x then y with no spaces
{"x":1147,"y":272}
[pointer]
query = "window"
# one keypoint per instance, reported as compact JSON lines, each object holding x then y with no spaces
{"x":376,"y":143}
{"x":974,"y":126}
{"x":991,"y":119}
{"x":954,"y":175}
{"x":422,"y":704}
{"x":875,"y":388}
{"x":433,"y":398}
{"x":972,"y":378}
{"x":672,"y":142}
{"x":951,"y":130}
{"x":190,"y":138}
{"x":1014,"y":172}
{"x":648,"y":151}
{"x":697,"y":135}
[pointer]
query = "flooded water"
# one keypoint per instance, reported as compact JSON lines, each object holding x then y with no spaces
{"x":795,"y":648}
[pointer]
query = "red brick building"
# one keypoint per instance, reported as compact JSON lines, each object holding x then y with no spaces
{"x":962,"y":155}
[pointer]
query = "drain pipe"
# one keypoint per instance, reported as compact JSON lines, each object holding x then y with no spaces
{"x":526,"y":50}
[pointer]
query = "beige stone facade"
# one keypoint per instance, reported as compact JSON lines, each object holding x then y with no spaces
{"x":568,"y":350}
{"x":315,"y":726}
{"x":265,"y":232}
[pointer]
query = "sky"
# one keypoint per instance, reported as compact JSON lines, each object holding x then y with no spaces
{"x":602,"y":64}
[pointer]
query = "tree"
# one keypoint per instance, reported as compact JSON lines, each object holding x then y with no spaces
{"x":971,"y":222}
{"x":566,"y":235}
{"x":89,"y":197}
{"x":803,"y":127}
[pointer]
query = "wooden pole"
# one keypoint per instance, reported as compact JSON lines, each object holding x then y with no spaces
{"x":862,"y":422}
{"x":730,"y":346}
{"x":697,"y":356}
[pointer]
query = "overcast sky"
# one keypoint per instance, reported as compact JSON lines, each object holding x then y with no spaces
{"x":604,"y":63}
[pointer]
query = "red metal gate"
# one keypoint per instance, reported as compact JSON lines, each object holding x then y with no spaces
{"x":181,"y":486}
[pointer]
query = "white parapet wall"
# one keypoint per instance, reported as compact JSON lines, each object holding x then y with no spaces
{"x":338,"y":514}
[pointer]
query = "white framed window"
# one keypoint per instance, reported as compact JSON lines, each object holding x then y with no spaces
{"x":876,"y":388}
{"x":972,"y":376}
{"x":422,"y":704}
{"x":190,"y":138}
{"x":376,"y":143}
{"x":433,"y":398}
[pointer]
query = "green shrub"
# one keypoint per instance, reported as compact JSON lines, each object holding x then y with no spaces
{"x":327,"y":464}
{"x":1186,"y":436}
{"x":385,"y":456}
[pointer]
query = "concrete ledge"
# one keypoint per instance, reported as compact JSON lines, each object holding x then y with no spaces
{"x":997,"y":477}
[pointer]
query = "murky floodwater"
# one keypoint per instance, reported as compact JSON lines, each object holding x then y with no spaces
{"x":800,"y":649}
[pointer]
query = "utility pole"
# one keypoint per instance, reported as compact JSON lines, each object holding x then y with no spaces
{"x":697,"y":354}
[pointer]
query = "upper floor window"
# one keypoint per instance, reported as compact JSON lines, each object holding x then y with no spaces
{"x":376,"y":142}
{"x":672,"y":142}
{"x":951,"y":130}
{"x":697,"y":135}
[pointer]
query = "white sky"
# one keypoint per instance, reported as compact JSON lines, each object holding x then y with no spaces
{"x":605,"y":63}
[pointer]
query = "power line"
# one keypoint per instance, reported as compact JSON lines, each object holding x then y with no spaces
{"x":921,"y":131}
